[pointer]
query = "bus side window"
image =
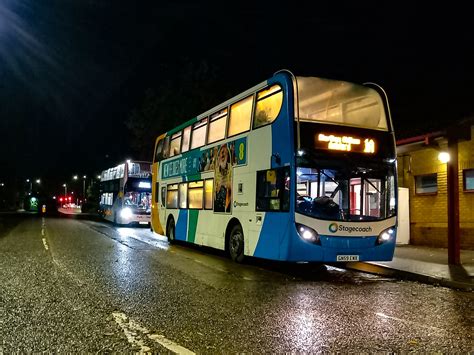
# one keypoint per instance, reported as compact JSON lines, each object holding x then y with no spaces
{"x":183,"y":195}
{"x":166,"y":148}
{"x":217,"y":124}
{"x":172,"y":196}
{"x":240,"y":116}
{"x":198,"y":138}
{"x":273,"y":193}
{"x":268,"y":105}
{"x":186,"y":139}
{"x":208,"y":196}
{"x":157,"y":191}
{"x":175,"y":144}
{"x":163,"y":196}
{"x":159,"y":151}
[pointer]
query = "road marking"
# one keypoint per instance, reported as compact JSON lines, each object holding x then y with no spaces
{"x":131,"y":328}
{"x":409,"y":322}
{"x":45,"y":245}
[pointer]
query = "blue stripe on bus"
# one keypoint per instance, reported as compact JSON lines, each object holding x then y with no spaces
{"x":182,"y":225}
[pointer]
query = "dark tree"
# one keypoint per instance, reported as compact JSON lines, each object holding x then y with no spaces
{"x":185,"y":90}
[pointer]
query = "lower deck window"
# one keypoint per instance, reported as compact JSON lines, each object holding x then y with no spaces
{"x":195,"y":194}
{"x":172,"y":196}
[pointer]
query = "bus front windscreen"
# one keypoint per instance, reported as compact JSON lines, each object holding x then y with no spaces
{"x":346,"y":193}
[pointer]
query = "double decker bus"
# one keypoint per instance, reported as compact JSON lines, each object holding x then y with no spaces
{"x":293,"y":169}
{"x":125,"y":193}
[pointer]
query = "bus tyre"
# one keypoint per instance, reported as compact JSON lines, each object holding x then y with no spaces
{"x":170,"y":231}
{"x":236,"y":243}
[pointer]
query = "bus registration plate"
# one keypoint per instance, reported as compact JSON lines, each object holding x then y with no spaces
{"x":347,"y":258}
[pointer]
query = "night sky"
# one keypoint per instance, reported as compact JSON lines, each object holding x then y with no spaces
{"x":71,"y":71}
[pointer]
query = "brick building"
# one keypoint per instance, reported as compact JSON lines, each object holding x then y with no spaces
{"x":425,"y":175}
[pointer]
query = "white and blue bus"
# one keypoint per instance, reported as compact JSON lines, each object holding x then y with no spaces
{"x":125,"y":193}
{"x":293,"y":169}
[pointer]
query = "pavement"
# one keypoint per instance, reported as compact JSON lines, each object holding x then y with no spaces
{"x":416,"y":263}
{"x":426,"y":265}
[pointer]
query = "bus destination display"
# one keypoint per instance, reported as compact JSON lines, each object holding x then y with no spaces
{"x":345,"y":143}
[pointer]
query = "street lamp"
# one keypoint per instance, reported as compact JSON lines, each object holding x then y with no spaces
{"x":38,"y":181}
{"x":444,"y":157}
{"x":65,"y":190}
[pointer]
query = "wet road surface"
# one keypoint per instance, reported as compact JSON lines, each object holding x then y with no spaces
{"x":71,"y":285}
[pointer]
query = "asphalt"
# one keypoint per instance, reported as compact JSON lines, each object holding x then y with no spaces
{"x":415,"y":263}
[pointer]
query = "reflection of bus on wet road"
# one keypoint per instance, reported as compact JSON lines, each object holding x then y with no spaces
{"x":295,"y":169}
{"x":125,"y":193}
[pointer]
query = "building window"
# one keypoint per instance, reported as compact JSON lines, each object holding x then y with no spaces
{"x":468,"y":180}
{"x":426,"y":184}
{"x":268,"y":106}
{"x":240,"y":116}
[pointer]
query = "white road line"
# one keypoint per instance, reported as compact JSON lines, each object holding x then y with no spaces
{"x":45,"y":245}
{"x":131,"y":328}
{"x":409,"y":322}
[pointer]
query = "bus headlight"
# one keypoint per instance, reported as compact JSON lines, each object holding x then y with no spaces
{"x":308,"y":234}
{"x":126,"y":213}
{"x":385,"y":235}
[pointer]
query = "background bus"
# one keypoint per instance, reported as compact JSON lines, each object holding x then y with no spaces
{"x":295,"y":169}
{"x":125,"y":193}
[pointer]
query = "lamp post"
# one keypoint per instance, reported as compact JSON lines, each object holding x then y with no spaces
{"x":84,"y":188}
{"x":65,"y":190}
{"x":31,"y":185}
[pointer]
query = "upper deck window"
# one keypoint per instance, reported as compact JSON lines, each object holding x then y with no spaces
{"x":268,"y":105}
{"x":186,"y":139}
{"x":339,"y":102}
{"x":198,"y":138}
{"x":240,"y":116}
{"x":159,"y":151}
{"x":175,"y":144}
{"x":217,"y":126}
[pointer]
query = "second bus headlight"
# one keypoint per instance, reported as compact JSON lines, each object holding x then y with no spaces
{"x":126,"y":213}
{"x":308,"y":234}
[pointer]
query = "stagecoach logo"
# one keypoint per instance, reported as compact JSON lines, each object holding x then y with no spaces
{"x":240,"y":204}
{"x":333,"y":227}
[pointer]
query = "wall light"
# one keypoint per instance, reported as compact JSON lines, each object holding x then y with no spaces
{"x":443,"y":157}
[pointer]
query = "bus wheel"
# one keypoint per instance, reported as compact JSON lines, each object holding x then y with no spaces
{"x":170,"y":230}
{"x":236,"y":243}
